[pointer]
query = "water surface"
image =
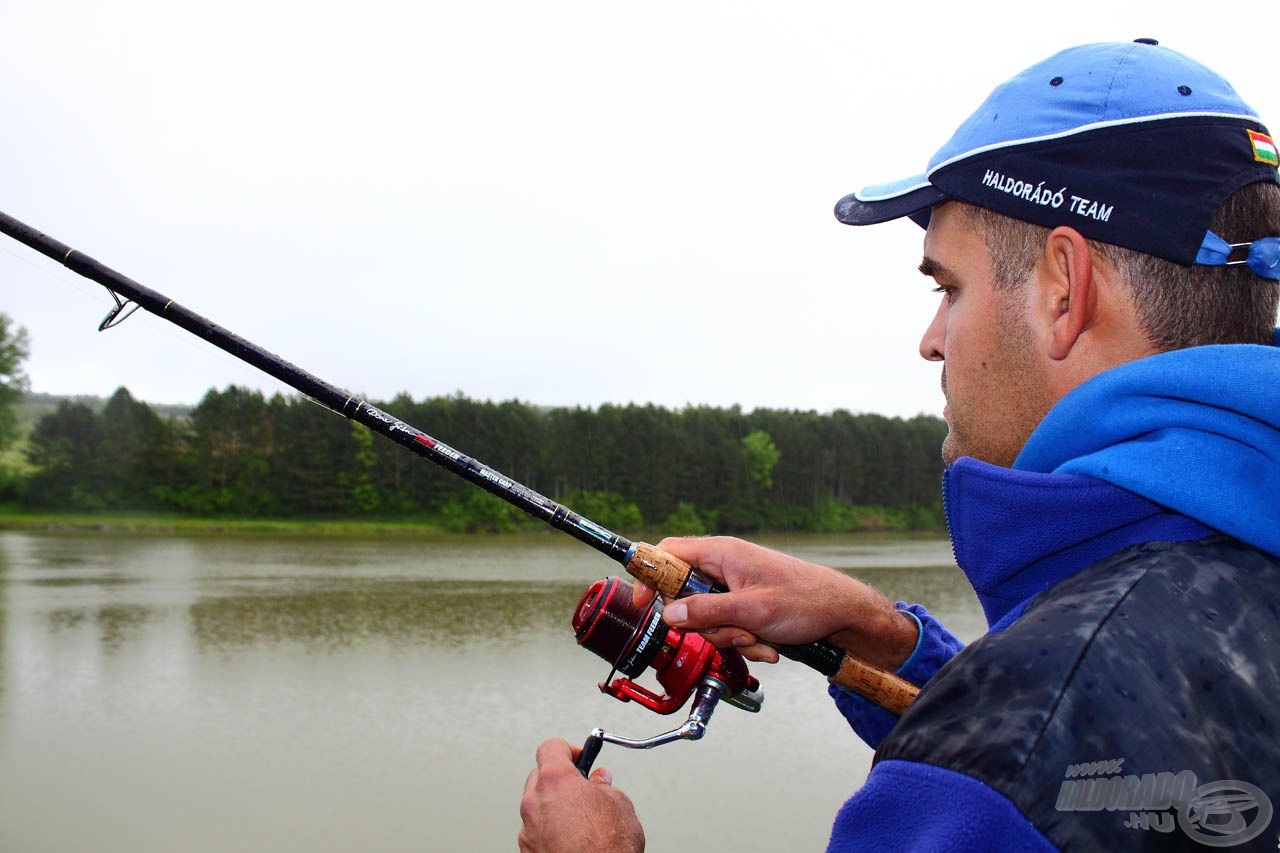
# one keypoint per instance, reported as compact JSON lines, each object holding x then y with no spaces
{"x":295,"y":694}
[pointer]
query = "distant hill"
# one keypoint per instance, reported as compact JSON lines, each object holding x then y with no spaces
{"x":35,"y":406}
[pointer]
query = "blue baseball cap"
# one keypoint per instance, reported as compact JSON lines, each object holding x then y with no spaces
{"x":1131,"y":144}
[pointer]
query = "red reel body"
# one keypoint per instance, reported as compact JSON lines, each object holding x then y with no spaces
{"x":608,"y":623}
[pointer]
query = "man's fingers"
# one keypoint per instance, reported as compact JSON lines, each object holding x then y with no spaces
{"x":529,"y":782}
{"x":642,"y":594}
{"x":708,"y":554}
{"x":744,"y":642}
{"x":554,"y":751}
{"x":602,"y":776}
{"x":729,"y":637}
{"x":761,"y":652}
{"x":717,"y":611}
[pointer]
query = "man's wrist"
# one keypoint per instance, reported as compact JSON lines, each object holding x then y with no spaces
{"x":886,"y":640}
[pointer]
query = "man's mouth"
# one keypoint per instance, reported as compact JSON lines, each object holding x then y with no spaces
{"x":946,"y":408}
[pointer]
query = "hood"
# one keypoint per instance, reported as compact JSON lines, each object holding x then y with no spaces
{"x":1195,"y":430}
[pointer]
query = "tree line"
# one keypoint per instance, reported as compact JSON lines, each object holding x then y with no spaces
{"x":692,"y":470}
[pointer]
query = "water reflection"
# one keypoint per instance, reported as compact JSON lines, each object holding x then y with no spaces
{"x":114,"y":625}
{"x":399,"y":612}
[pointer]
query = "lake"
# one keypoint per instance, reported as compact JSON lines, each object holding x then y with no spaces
{"x":162,"y":692}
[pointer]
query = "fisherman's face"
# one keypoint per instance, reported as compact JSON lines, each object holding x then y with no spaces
{"x":992,"y":374}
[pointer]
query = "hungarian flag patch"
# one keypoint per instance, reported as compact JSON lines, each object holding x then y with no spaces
{"x":1264,"y":148}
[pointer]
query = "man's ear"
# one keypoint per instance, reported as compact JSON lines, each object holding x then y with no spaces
{"x":1068,"y":298}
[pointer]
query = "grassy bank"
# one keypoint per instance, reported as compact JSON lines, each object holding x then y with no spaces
{"x":107,"y":522}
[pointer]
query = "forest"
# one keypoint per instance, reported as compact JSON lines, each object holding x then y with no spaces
{"x":694,"y":470}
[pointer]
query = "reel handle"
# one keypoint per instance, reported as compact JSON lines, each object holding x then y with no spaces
{"x":673,"y":577}
{"x":704,"y":704}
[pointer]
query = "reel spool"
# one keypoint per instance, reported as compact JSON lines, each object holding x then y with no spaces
{"x":634,"y":639}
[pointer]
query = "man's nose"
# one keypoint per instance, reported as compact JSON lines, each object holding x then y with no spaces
{"x":933,"y":346}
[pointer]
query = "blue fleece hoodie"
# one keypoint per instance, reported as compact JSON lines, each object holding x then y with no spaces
{"x":1171,"y":447}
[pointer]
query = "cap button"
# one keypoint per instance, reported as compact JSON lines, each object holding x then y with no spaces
{"x":1145,"y":41}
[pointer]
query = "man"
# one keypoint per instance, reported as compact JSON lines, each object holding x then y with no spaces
{"x":1112,"y":378}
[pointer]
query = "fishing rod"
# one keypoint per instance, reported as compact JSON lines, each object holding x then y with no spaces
{"x":654,"y":567}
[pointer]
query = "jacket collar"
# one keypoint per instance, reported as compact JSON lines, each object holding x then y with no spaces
{"x":1016,"y":533}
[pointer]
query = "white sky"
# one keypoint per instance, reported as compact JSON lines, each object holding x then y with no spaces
{"x":563,"y":202}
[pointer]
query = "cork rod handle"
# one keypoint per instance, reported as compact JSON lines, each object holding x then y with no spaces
{"x":889,"y":691}
{"x":656,"y":568}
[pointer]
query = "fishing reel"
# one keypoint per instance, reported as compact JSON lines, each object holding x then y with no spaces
{"x":608,"y":623}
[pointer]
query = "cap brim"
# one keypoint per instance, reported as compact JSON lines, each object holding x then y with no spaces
{"x":914,"y":197}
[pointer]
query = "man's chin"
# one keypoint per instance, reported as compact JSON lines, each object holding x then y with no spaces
{"x":951,"y":450}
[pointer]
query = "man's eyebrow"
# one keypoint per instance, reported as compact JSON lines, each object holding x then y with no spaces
{"x":933,"y":269}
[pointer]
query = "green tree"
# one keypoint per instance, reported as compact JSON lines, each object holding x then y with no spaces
{"x":308,"y":462}
{"x":135,"y":452}
{"x":606,"y":508}
{"x":65,"y":448}
{"x":364,"y":494}
{"x":233,"y":440}
{"x":687,"y":521}
{"x":13,"y":380}
{"x":761,"y":457}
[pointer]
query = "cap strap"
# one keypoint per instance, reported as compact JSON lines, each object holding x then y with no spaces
{"x":1262,"y":255}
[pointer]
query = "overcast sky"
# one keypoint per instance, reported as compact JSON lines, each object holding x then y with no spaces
{"x":565,"y":203}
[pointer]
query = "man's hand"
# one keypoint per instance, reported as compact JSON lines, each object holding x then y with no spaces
{"x":784,"y":600}
{"x":564,"y":813}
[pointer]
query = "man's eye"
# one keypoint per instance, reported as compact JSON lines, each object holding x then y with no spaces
{"x":947,"y":290}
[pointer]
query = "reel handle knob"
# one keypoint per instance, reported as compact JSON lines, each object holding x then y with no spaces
{"x":590,"y":750}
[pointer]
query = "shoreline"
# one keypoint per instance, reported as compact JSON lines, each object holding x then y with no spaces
{"x":162,"y":524}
